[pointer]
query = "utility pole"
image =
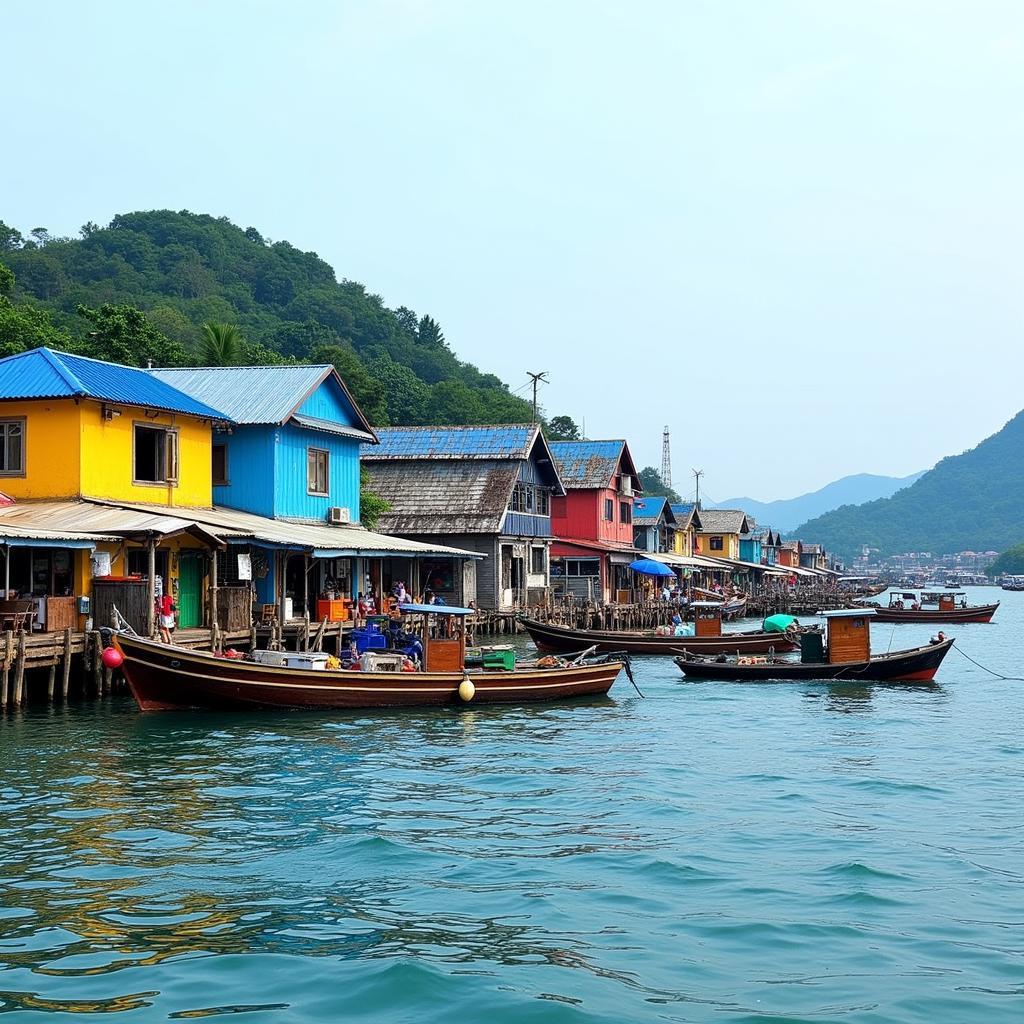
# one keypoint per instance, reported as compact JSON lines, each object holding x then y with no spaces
{"x":666,"y":460}
{"x":537,"y":378}
{"x":697,"y":474}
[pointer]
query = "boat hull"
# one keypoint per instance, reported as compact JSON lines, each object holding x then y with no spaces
{"x":917,"y":665}
{"x":975,"y":613}
{"x":548,"y":637}
{"x":168,"y":678}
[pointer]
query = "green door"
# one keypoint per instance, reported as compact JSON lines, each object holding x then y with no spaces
{"x":190,"y":593}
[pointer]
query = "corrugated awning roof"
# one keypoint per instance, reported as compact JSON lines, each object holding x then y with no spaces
{"x":106,"y":520}
{"x":330,"y":427}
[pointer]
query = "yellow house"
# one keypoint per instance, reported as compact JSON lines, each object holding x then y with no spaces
{"x":719,"y":533}
{"x":78,"y":428}
{"x":687,"y":524}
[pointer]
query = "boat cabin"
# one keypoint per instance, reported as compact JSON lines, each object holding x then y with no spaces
{"x":707,"y":618}
{"x":848,"y":634}
{"x":946,"y":600}
{"x":442,"y":631}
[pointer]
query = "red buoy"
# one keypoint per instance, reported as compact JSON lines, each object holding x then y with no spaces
{"x":112,"y":657}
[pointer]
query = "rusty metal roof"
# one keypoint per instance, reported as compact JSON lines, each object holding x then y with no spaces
{"x":446,"y":497}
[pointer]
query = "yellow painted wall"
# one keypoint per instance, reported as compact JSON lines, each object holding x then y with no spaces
{"x":107,"y":458}
{"x":71,"y":451}
{"x":52,"y":449}
{"x":683,"y":542}
{"x":730,"y":545}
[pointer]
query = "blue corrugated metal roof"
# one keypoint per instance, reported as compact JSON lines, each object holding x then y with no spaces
{"x":648,"y":508}
{"x":683,"y":510}
{"x":587,"y":464}
{"x":481,"y":442}
{"x":43,"y":373}
{"x":247,"y":394}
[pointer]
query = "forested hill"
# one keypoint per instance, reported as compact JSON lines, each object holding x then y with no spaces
{"x":968,"y":502}
{"x":185,"y":269}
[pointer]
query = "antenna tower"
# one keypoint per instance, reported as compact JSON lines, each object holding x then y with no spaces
{"x":666,"y":459}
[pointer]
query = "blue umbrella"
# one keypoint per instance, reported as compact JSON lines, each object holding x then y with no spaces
{"x":649,"y":567}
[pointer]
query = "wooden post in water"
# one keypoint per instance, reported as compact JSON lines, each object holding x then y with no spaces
{"x":8,"y":658}
{"x":97,"y":663}
{"x":19,"y":670}
{"x":305,"y":630}
{"x":51,"y":682}
{"x":107,"y":680}
{"x":66,"y":667}
{"x":252,"y":637}
{"x":151,"y":589}
{"x":213,"y":602}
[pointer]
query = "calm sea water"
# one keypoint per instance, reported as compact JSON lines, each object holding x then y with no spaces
{"x":716,"y":852}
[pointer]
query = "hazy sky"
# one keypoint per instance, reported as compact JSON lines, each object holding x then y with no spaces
{"x":789,"y":230}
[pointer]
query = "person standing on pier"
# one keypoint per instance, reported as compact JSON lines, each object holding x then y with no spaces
{"x":165,"y":616}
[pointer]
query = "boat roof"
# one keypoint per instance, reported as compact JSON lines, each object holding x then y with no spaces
{"x":951,"y":593}
{"x":705,"y":604}
{"x":840,"y":613}
{"x":436,"y":609}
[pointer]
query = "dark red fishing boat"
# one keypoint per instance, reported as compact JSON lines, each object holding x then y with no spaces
{"x":846,"y":657}
{"x":939,"y":607}
{"x":708,"y":637}
{"x":164,"y":677}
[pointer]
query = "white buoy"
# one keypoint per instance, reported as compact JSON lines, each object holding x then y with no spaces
{"x":466,"y":689}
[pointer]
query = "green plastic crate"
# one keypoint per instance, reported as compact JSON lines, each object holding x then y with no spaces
{"x":505,"y":660}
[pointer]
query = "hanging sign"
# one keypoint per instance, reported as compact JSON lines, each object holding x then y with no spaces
{"x":244,"y":567}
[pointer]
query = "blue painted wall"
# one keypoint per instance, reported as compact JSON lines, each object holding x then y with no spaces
{"x":519,"y":524}
{"x":292,"y":499}
{"x":267,"y":465}
{"x":750,"y":550}
{"x":250,"y":470}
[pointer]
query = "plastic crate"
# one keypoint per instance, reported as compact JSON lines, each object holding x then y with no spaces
{"x":504,"y":660}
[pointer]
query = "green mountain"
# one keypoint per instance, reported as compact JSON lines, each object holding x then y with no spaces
{"x":184,"y":269}
{"x":848,"y":490}
{"x":968,"y":502}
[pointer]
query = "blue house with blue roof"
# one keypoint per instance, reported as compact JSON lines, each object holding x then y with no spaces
{"x":486,"y":489}
{"x":291,"y":451}
{"x":654,"y":525}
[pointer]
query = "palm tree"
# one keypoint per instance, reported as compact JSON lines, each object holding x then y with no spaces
{"x":221,"y":345}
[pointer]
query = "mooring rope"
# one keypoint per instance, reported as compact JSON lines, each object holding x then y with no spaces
{"x":1016,"y":679}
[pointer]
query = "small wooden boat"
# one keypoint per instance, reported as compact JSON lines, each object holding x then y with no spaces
{"x":164,"y":677}
{"x":708,"y":637}
{"x":734,"y":608}
{"x":938,"y":607}
{"x":846,"y":658}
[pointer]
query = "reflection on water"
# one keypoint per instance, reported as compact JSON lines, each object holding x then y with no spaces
{"x":715,"y":852}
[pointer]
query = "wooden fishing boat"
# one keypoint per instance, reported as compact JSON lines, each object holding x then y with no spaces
{"x":846,"y":658}
{"x":708,"y":637}
{"x":168,"y":678}
{"x":164,"y":677}
{"x":734,"y":608}
{"x":938,"y":607}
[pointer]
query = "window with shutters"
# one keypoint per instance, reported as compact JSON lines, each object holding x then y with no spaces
{"x":154,"y":455}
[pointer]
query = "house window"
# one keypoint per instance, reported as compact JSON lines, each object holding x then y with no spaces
{"x":543,"y":501}
{"x":12,"y":447}
{"x":717,"y":544}
{"x":537,"y":561}
{"x":582,"y":567}
{"x":220,"y":465}
{"x":625,"y":511}
{"x":155,"y":457}
{"x":529,"y":495}
{"x":316,"y":470}
{"x":609,"y":509}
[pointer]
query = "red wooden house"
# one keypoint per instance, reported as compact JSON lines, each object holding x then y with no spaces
{"x":593,"y":524}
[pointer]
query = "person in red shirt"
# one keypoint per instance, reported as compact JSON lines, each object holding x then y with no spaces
{"x":165,"y":616}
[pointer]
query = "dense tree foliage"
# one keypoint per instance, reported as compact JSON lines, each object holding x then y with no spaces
{"x":562,"y":428}
{"x":968,"y":502}
{"x":1011,"y":561}
{"x":654,"y":486}
{"x":183,"y":270}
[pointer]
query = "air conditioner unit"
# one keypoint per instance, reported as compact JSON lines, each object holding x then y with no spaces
{"x":339,"y":516}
